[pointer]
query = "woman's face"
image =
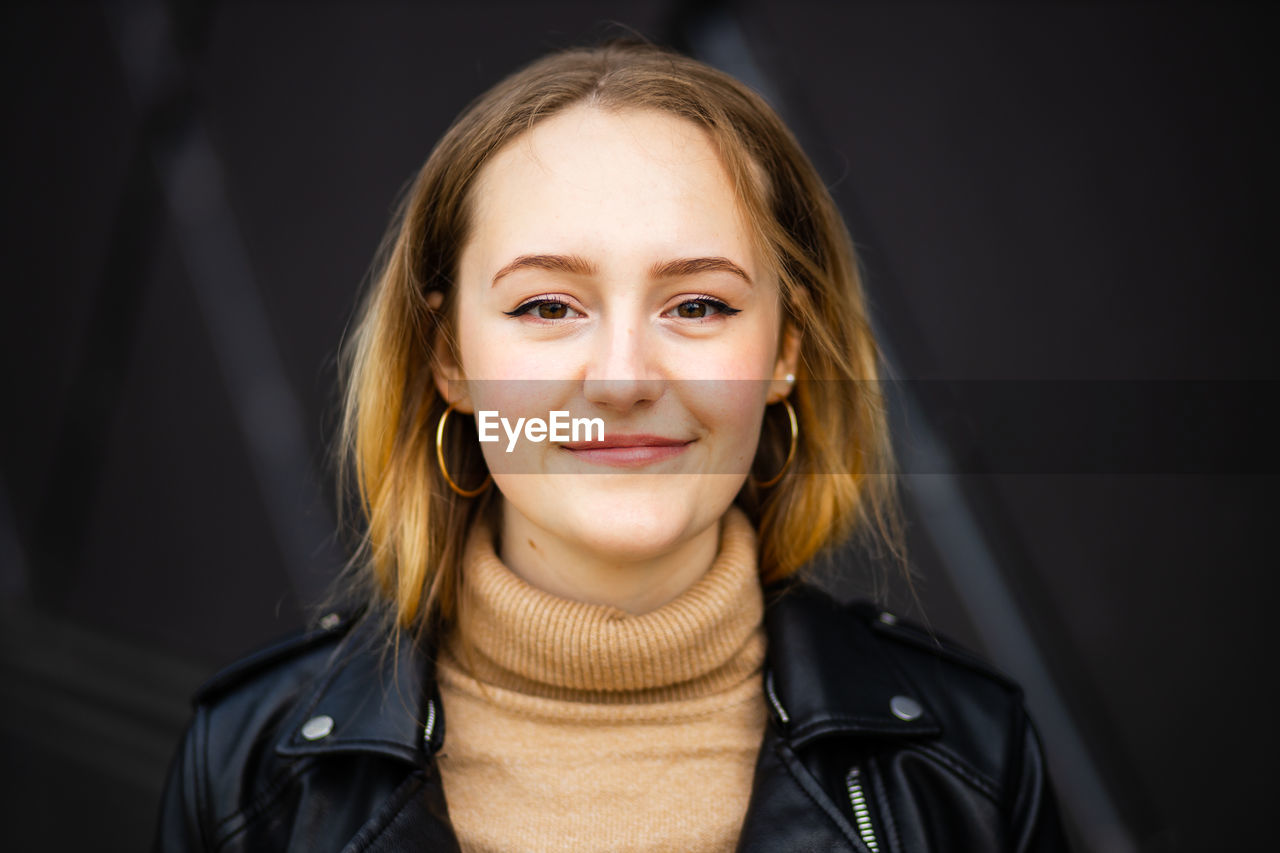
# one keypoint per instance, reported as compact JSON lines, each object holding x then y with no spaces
{"x":610,"y":274}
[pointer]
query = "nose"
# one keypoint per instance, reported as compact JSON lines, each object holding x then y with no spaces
{"x":623,"y":371}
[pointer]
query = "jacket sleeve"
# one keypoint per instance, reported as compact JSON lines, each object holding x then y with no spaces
{"x":1035,"y":826}
{"x":181,"y":825}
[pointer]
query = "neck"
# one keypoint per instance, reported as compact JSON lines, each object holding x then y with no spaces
{"x":632,"y":583}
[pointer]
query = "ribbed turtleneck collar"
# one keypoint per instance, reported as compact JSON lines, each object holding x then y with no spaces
{"x":706,"y":640}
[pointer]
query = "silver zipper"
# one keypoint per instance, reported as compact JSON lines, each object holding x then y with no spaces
{"x":773,"y":699}
{"x":429,"y":729}
{"x":861,"y":812}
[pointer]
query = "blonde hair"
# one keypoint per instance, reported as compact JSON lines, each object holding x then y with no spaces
{"x":414,"y":526}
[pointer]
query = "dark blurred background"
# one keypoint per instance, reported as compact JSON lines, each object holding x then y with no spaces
{"x":1065,"y":214}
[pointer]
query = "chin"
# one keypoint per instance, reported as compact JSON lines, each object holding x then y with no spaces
{"x":623,"y":517}
{"x":635,"y":529}
{"x":634,"y":521}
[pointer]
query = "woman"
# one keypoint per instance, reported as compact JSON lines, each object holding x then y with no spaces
{"x":588,"y":642}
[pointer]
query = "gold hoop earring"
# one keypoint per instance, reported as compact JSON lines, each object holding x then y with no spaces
{"x":466,"y":493}
{"x":791,"y":451}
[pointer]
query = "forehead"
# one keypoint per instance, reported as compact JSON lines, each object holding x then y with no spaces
{"x":640,"y":180}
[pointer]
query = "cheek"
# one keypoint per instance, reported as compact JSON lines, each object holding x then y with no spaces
{"x":751,"y":349}
{"x":521,"y":398}
{"x":732,"y":410}
{"x":747,"y":412}
{"x":512,"y":380}
{"x":747,"y":354}
{"x":492,"y":348}
{"x":480,"y":358}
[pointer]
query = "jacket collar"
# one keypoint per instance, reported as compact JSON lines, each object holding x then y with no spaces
{"x":828,"y":673}
{"x":377,"y":700}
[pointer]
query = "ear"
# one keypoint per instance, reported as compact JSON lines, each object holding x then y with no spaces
{"x":788,"y":360}
{"x":451,"y":382}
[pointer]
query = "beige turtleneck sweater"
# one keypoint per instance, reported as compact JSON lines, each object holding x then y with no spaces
{"x":581,"y":727}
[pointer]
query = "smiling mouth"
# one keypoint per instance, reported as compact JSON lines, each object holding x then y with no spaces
{"x":627,"y":451}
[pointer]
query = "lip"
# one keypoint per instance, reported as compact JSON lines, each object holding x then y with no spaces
{"x":638,"y":439}
{"x":628,"y":451}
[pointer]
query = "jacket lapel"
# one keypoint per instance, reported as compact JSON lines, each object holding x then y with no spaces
{"x":380,"y":704}
{"x":826,"y":677}
{"x":374,"y":702}
{"x":829,"y":675}
{"x":785,"y":814}
{"x":415,"y":819}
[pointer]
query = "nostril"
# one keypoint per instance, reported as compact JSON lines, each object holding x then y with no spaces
{"x":619,"y":392}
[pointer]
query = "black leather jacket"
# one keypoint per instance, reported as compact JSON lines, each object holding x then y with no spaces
{"x":880,"y":739}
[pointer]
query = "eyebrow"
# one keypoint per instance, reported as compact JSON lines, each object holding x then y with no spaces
{"x":693,"y":266}
{"x":572,"y":264}
{"x":576,"y":265}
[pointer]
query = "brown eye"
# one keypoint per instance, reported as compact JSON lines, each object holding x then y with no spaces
{"x":551,"y":310}
{"x":543,"y":309}
{"x":703,"y":309}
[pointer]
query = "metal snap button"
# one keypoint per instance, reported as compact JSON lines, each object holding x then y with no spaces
{"x":905,"y":708}
{"x":317,"y":728}
{"x":330,"y":621}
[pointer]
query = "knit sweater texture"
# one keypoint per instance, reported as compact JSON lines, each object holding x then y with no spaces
{"x":575,"y":726}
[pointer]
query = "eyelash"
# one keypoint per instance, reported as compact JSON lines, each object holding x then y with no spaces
{"x":526,"y":307}
{"x":721,"y":308}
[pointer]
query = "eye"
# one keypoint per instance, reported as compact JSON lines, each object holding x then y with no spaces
{"x":543,"y":308}
{"x":702,"y":308}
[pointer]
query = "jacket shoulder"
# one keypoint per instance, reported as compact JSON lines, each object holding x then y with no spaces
{"x":860,"y":659}
{"x":909,"y":635}
{"x":302,"y":650}
{"x":986,"y":734}
{"x":903,"y":640}
{"x":224,"y":763}
{"x":245,"y":707}
{"x":247,"y":704}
